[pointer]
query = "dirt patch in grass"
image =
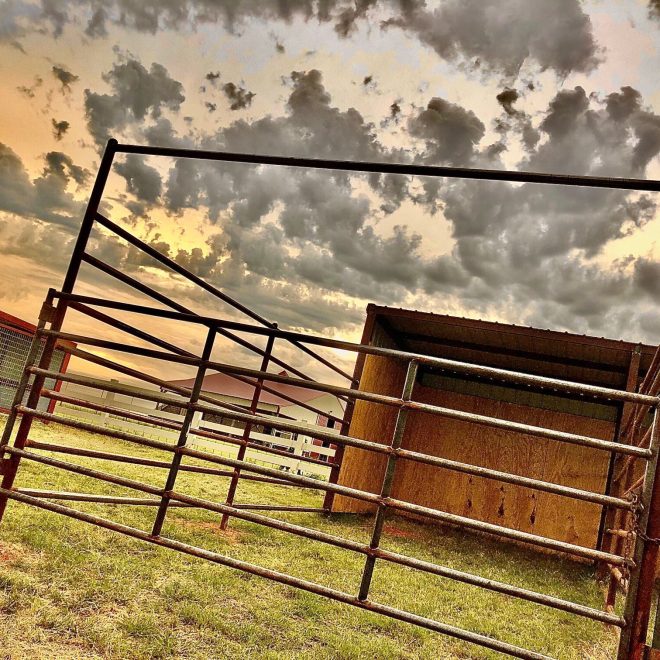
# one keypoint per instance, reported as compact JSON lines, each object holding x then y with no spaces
{"x":14,"y":552}
{"x":8,"y":551}
{"x":400,"y":533}
{"x":231,"y":535}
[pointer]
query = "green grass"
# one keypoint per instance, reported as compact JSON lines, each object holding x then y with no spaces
{"x":72,"y":590}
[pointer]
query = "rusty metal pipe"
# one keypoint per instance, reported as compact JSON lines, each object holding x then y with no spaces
{"x":441,"y":363}
{"x":442,"y":516}
{"x":135,"y":460}
{"x":487,"y":473}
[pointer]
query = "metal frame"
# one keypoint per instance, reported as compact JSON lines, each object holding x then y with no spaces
{"x":641,"y":508}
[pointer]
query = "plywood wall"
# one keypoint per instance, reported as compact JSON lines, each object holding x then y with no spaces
{"x":478,"y":498}
{"x":362,"y":469}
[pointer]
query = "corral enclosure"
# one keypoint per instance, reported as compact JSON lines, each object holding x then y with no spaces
{"x":576,"y":358}
{"x":437,"y":387}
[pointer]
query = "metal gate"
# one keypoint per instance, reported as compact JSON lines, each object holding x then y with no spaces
{"x":639,"y":505}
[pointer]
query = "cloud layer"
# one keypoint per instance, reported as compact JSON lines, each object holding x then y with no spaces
{"x":476,"y":33}
{"x":530,"y":248}
{"x":310,"y":248}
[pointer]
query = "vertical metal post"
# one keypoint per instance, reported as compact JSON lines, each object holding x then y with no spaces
{"x":388,"y":479}
{"x":254,"y":406}
{"x":645,"y":555}
{"x":44,"y":316}
{"x":183,"y":433}
{"x":90,"y":213}
{"x":56,"y":319}
{"x":607,"y":515}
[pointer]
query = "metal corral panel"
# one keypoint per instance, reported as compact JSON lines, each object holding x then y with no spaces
{"x":14,"y":346}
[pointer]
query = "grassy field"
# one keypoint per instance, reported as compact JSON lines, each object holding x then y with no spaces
{"x":72,"y":590}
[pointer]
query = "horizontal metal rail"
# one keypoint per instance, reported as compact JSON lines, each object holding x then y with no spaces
{"x":365,"y":496}
{"x":93,"y":497}
{"x":149,"y":462}
{"x":451,"y":413}
{"x":467,"y":468}
{"x":219,"y":407}
{"x":271,"y":421}
{"x":238,"y":511}
{"x":191,"y":277}
{"x":181,"y":399}
{"x":441,"y":363}
{"x":145,"y":501}
{"x":282,"y":578}
{"x":406,"y":169}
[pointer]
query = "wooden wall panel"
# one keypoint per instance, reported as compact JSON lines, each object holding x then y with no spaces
{"x":364,"y":469}
{"x":482,"y":499}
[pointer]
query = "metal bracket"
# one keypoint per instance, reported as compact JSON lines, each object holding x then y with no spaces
{"x":47,"y":312}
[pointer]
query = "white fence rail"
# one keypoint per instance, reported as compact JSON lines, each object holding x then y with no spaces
{"x":297,"y":445}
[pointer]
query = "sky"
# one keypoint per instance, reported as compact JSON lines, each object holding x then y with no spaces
{"x":558,"y":87}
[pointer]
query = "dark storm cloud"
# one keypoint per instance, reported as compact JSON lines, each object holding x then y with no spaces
{"x":96,"y":26}
{"x":565,"y":111}
{"x":238,"y":97}
{"x":506,"y":98}
{"x":620,"y":105}
{"x":647,"y":277}
{"x":59,"y":128}
{"x":501,"y":34}
{"x":144,"y":91}
{"x":65,"y":77}
{"x":141,"y":179}
{"x":451,"y":132}
{"x":646,"y":126}
{"x":137,"y":93}
{"x":347,"y":18}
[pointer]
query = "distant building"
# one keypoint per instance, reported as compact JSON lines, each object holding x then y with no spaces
{"x":224,"y":388}
{"x":15,"y":339}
